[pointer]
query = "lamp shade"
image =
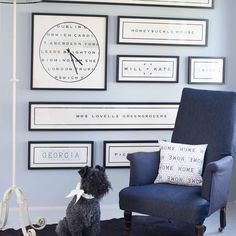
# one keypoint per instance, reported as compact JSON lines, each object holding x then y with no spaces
{"x":20,"y":1}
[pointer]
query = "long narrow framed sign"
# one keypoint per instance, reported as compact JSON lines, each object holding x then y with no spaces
{"x":162,"y":69}
{"x":115,"y":152}
{"x":174,"y":3}
{"x":60,"y":154}
{"x":102,"y":116}
{"x":162,"y":31}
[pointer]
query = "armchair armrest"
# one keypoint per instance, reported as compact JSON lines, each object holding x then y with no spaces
{"x":143,"y":167}
{"x":216,"y":181}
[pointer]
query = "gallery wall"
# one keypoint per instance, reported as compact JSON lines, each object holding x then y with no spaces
{"x":46,"y":189}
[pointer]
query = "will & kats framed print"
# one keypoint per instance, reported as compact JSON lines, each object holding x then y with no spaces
{"x":69,"y":52}
{"x":174,"y":3}
{"x":159,"y":69}
{"x":102,"y":116}
{"x":162,"y":31}
{"x":115,"y":152}
{"x":60,"y":154}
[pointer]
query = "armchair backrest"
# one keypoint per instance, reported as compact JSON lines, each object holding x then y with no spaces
{"x":207,"y":117}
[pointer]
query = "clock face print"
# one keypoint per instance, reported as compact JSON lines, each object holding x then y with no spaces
{"x":69,"y":52}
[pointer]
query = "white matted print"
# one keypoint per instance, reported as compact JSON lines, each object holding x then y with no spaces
{"x":162,"y":69}
{"x":177,"y":3}
{"x":115,"y":152}
{"x":69,"y":52}
{"x":162,"y":31}
{"x":60,"y":155}
{"x":102,"y":116}
{"x":206,"y":70}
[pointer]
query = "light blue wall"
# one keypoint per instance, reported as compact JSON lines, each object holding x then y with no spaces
{"x":45,"y":188}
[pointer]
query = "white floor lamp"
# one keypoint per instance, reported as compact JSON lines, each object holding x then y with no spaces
{"x":21,"y":201}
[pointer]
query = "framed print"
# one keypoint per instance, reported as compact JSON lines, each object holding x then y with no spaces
{"x":115,"y":152}
{"x":162,"y":31}
{"x":206,"y":70}
{"x":162,"y":69}
{"x":60,"y":154}
{"x":69,"y":52}
{"x":102,"y":116}
{"x":173,"y":3}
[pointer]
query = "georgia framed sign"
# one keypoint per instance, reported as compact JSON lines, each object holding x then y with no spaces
{"x":59,"y":154}
{"x":69,"y":51}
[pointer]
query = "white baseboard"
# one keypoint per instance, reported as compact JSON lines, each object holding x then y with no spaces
{"x":54,"y":214}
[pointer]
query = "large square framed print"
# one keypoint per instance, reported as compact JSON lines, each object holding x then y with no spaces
{"x":102,"y":116}
{"x":162,"y":31}
{"x":115,"y":152}
{"x":60,"y":154}
{"x":69,"y":52}
{"x":206,"y":70}
{"x":150,"y":69}
{"x":171,"y":3}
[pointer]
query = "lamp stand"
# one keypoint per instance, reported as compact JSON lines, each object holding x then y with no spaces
{"x":21,"y":201}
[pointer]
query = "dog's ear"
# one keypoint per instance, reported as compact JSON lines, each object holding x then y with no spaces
{"x":83,"y":171}
{"x":100,"y":168}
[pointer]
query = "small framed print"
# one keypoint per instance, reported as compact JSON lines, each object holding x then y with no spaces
{"x":69,"y":52}
{"x":60,"y":154}
{"x":102,"y":116}
{"x":206,"y":70}
{"x":115,"y":152}
{"x":160,"y":69}
{"x":171,"y":3}
{"x":162,"y":31}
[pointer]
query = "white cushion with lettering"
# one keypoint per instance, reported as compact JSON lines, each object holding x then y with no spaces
{"x":181,"y":163}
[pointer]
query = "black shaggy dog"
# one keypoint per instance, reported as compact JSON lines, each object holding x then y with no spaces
{"x":83,"y":212}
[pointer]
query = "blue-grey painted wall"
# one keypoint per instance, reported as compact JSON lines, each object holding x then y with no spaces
{"x":47,"y":188}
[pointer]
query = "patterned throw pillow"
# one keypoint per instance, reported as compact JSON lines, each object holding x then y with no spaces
{"x":181,"y":163}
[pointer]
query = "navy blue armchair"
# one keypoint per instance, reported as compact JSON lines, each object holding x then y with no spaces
{"x":204,"y":116}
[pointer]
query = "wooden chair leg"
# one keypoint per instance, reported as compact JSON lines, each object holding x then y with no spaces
{"x":199,"y":230}
{"x":128,"y":220}
{"x":222,"y":218}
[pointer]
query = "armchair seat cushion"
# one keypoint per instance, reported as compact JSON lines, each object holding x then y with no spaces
{"x":174,"y":202}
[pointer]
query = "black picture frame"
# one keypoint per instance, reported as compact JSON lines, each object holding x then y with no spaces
{"x":115,"y":152}
{"x":147,"y":69}
{"x":59,"y":61}
{"x":162,"y":31}
{"x":60,"y":154}
{"x":163,"y":3}
{"x":206,"y":70}
{"x":45,"y":116}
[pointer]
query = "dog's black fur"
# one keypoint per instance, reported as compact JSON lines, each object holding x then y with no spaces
{"x":83,"y":218}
